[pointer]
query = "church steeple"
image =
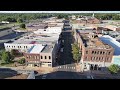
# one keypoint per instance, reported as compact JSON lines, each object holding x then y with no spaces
{"x":93,"y":15}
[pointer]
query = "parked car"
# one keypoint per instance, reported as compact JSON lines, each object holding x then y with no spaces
{"x":61,"y":50}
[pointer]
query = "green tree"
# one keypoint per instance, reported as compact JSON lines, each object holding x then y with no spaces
{"x":22,"y":26}
{"x":6,"y":57}
{"x":19,"y":20}
{"x":21,"y":61}
{"x":114,"y":68}
{"x":76,"y":52}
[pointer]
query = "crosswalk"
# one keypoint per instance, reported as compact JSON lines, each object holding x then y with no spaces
{"x":66,"y":68}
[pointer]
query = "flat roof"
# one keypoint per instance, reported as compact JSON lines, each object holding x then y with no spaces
{"x":36,"y":49}
{"x":112,"y":42}
{"x":47,"y":49}
{"x":86,"y":31}
{"x":95,"y":43}
{"x":37,"y":39}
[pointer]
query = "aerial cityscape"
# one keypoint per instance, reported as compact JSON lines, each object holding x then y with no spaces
{"x":61,"y":45}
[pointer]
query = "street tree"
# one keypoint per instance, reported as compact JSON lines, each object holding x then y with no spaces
{"x":21,"y":61}
{"x":22,"y":26}
{"x":6,"y":57}
{"x":114,"y":68}
{"x":76,"y":52}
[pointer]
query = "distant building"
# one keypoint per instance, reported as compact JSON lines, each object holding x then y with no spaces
{"x":113,"y":27}
{"x":6,"y":22}
{"x":36,"y":26}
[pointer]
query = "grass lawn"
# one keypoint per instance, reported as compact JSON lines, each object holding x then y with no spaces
{"x":22,"y":29}
{"x":8,"y":25}
{"x":11,"y":64}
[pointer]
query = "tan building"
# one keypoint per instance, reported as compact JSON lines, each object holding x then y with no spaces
{"x":41,"y":55}
{"x":113,"y":27}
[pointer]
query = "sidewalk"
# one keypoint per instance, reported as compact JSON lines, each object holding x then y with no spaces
{"x":39,"y":69}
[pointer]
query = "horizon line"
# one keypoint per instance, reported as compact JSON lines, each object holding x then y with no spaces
{"x":59,"y":11}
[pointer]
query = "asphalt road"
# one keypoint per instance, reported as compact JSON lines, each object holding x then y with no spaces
{"x":11,"y":36}
{"x":66,"y":55}
{"x":61,"y":75}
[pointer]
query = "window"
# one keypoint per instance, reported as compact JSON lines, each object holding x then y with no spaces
{"x":44,"y":30}
{"x":14,"y":46}
{"x":96,"y":58}
{"x":41,"y":57}
{"x":49,"y":57}
{"x":86,"y":52}
{"x":49,"y":64}
{"x":26,"y":46}
{"x":9,"y":46}
{"x":45,"y":57}
{"x":103,"y":58}
{"x":35,"y":57}
{"x":18,"y":46}
{"x":101,"y":52}
{"x":109,"y":53}
{"x":95,"y":52}
{"x":99,"y":58}
{"x":91,"y":58}
{"x":98,"y":52}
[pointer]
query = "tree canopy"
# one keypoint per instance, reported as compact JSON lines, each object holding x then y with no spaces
{"x":19,"y":20}
{"x":76,"y":52}
{"x":114,"y":68}
{"x":21,"y":61}
{"x":22,"y":26}
{"x":15,"y":17}
{"x":6,"y":57}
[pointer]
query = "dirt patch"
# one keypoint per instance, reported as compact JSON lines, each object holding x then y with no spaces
{"x":18,"y":76}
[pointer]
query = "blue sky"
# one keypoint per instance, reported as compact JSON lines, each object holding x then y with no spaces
{"x":59,"y":11}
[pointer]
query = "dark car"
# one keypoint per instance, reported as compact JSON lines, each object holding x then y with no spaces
{"x":35,"y":72}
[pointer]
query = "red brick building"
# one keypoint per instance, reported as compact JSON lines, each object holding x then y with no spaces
{"x":94,"y":52}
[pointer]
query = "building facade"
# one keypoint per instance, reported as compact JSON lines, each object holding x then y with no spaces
{"x":95,"y":54}
{"x":43,"y":58}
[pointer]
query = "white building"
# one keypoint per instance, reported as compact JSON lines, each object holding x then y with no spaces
{"x":49,"y":30}
{"x":6,"y":22}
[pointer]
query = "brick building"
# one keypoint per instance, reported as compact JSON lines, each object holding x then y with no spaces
{"x":95,"y":53}
{"x":41,"y":55}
